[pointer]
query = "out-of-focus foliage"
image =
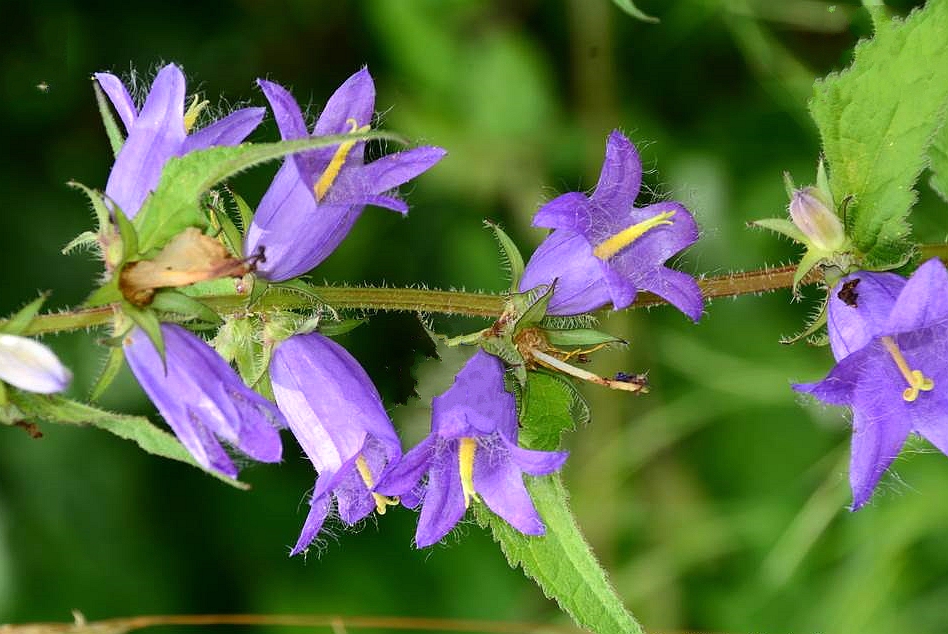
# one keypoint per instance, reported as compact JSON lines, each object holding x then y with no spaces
{"x":716,"y":502}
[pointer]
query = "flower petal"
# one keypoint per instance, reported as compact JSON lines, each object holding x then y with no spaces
{"x":443,"y":505}
{"x":567,"y":257}
{"x":155,"y":136}
{"x":620,"y":178}
{"x":568,"y":211}
{"x":230,"y":130}
{"x":404,"y":477}
{"x":477,"y":403}
{"x":537,"y":463}
{"x":354,"y":99}
{"x":499,"y":482}
{"x":840,"y":384}
{"x":923,"y":301}
{"x":863,"y":310}
{"x":677,"y":288}
{"x":383,"y":175}
{"x":115,"y":90}
{"x":318,"y":510}
{"x":31,"y":366}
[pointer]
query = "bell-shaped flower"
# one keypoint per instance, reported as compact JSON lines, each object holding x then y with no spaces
{"x":317,"y":196}
{"x":31,"y":366}
{"x":603,"y":249}
{"x":203,"y":399}
{"x":890,"y":340}
{"x":337,"y":416}
{"x":471,"y":454}
{"x":820,"y":224}
{"x":162,"y":130}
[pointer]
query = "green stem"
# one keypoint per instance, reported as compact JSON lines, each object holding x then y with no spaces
{"x":436,"y":301}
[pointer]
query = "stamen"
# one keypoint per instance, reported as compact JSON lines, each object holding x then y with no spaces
{"x":192,"y":113}
{"x":553,"y":363}
{"x":917,"y":381}
{"x":608,"y":248}
{"x":382,"y":502}
{"x":338,"y":159}
{"x":466,"y":467}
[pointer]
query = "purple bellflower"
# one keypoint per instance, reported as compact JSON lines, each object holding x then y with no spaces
{"x":31,"y":366}
{"x":890,"y":340}
{"x":204,"y":400}
{"x":317,"y":196}
{"x":603,"y":249}
{"x":160,"y":131}
{"x":337,"y":416}
{"x":471,"y":453}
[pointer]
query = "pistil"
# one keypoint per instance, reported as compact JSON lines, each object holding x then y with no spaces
{"x":382,"y":502}
{"x":917,"y":381}
{"x":338,"y":160}
{"x":608,"y":248}
{"x":466,"y":467}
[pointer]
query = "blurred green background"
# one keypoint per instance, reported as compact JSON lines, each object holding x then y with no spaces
{"x":717,"y":502}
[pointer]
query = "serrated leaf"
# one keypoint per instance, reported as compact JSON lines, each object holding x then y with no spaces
{"x":580,"y":337}
{"x":116,"y":139}
{"x":147,"y":320}
{"x":547,"y":407}
{"x":510,"y":254}
{"x":175,"y":203}
{"x":18,"y":324}
{"x":143,"y":432}
{"x":113,"y":363}
{"x":629,"y":7}
{"x":781,"y":226}
{"x":561,"y":561}
{"x":175,"y":302}
{"x":938,"y":158}
{"x":876,"y":120}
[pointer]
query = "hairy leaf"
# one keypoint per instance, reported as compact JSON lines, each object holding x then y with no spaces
{"x":938,"y":156}
{"x":877,"y":119}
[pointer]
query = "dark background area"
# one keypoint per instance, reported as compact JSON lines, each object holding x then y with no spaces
{"x":717,"y":502}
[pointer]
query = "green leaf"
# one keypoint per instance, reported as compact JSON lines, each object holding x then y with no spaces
{"x":580,"y":337}
{"x":18,"y":324}
{"x":175,"y":203}
{"x":102,"y":215}
{"x":510,"y":254}
{"x":172,"y":301}
{"x":877,"y":119}
{"x":534,"y":314}
{"x":337,"y":328}
{"x":634,"y":11}
{"x":782,"y":226}
{"x":128,"y":234}
{"x":138,"y":429}
{"x":83,"y":240}
{"x":113,"y":363}
{"x":116,"y":139}
{"x":561,"y":561}
{"x":243,"y":209}
{"x":938,"y":157}
{"x":147,"y":320}
{"x":108,"y":293}
{"x":221,"y":222}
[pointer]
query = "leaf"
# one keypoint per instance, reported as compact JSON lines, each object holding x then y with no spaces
{"x":18,"y":324}
{"x":229,"y":232}
{"x":174,"y":302}
{"x":102,"y":215}
{"x":580,"y":337}
{"x":143,"y":432}
{"x":510,"y":254}
{"x":938,"y":157}
{"x":561,"y":561}
{"x":116,"y":140}
{"x":782,"y":226}
{"x":113,"y":363}
{"x":175,"y":203}
{"x":876,"y":120}
{"x":147,"y":320}
{"x":635,"y":12}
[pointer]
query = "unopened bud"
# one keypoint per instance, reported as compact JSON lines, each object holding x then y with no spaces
{"x":31,"y":366}
{"x":818,"y":222}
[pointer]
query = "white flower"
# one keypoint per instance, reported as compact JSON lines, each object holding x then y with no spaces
{"x":31,"y":366}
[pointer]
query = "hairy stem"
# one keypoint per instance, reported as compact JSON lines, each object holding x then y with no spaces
{"x":436,"y":301}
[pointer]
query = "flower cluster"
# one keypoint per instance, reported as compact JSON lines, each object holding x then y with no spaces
{"x":602,"y":249}
{"x":889,"y":336}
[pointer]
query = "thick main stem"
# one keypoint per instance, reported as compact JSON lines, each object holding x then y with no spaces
{"x":436,"y":301}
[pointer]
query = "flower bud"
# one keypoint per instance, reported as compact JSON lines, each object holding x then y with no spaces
{"x":817,"y":221}
{"x":31,"y":366}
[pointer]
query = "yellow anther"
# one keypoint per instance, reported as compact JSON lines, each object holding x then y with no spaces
{"x":917,"y":381}
{"x":382,"y":502}
{"x":192,"y":113}
{"x":466,"y":467}
{"x":338,"y":160}
{"x":608,"y":248}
